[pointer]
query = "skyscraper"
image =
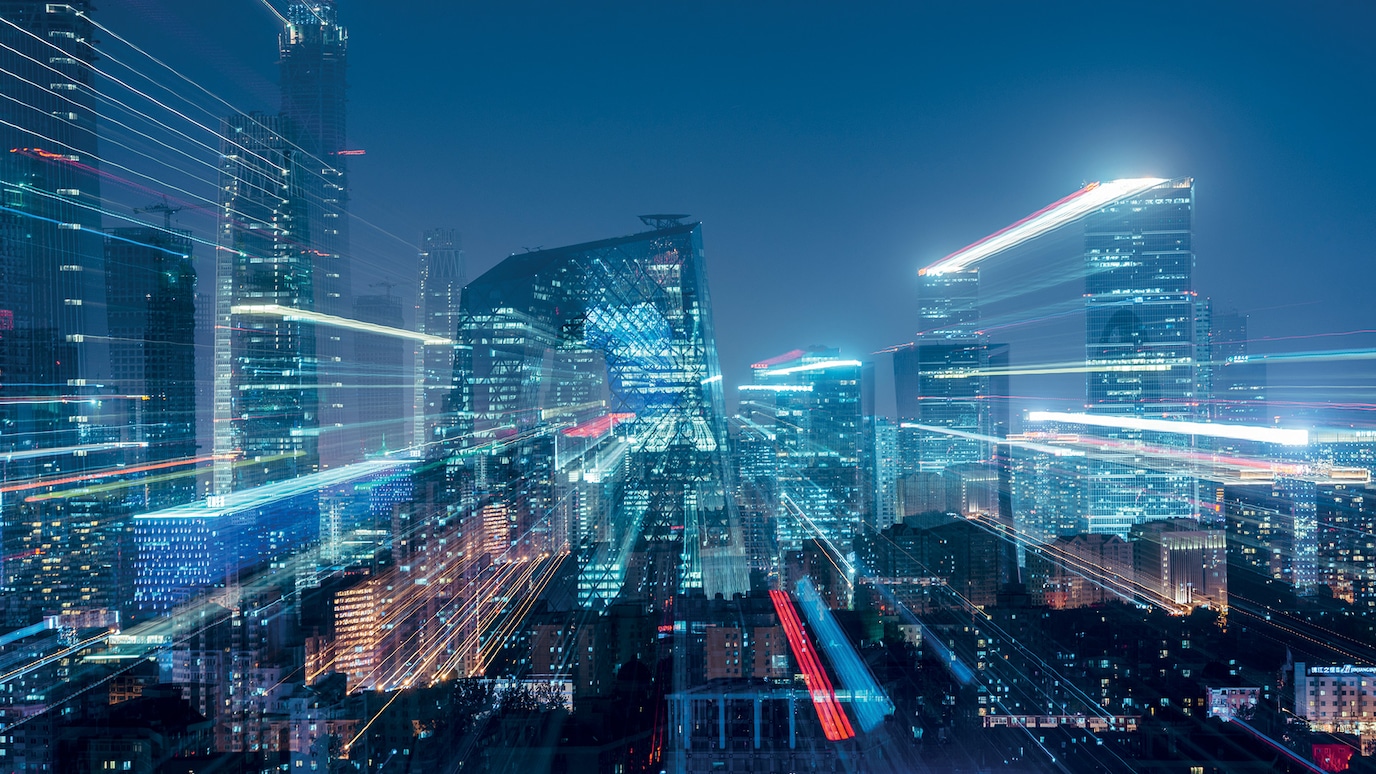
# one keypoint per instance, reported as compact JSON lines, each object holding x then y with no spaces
{"x":314,"y":59}
{"x":810,"y":401}
{"x":604,"y":351}
{"x":442,"y":278}
{"x":150,"y":305}
{"x":943,"y":378}
{"x":1238,"y":383}
{"x":60,"y":553}
{"x":1140,"y":348}
{"x":267,"y":425}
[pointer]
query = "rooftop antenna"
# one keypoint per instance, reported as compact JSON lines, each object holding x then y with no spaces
{"x":662,"y":220}
{"x":385,"y":285}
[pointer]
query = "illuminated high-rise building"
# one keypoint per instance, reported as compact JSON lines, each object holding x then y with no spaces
{"x":314,"y":59}
{"x":60,"y":553}
{"x":267,"y":424}
{"x":1238,"y":384}
{"x":600,"y":358}
{"x":1140,"y":348}
{"x":442,"y":277}
{"x":950,"y":378}
{"x":811,"y":402}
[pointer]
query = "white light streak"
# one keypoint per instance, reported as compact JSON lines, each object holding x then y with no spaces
{"x":262,"y":496}
{"x":1092,"y":197}
{"x":775,"y":388}
{"x":302,"y":315}
{"x":820,"y":365}
{"x":90,"y":448}
{"x":1211,"y":429}
{"x":1055,"y":451}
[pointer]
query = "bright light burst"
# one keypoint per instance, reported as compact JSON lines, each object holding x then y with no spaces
{"x":1276,"y":435}
{"x":1092,"y":197}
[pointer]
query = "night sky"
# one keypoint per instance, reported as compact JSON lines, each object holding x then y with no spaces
{"x":831,"y":149}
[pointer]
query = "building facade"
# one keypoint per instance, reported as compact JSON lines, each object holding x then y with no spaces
{"x":1141,"y":348}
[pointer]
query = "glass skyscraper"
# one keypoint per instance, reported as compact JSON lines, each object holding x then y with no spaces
{"x":62,"y":552}
{"x":1140,"y":350}
{"x":950,"y":378}
{"x":267,"y":424}
{"x":442,"y":278}
{"x":594,"y":367}
{"x":314,"y":60}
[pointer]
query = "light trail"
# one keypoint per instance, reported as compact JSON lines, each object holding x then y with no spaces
{"x":89,"y":448}
{"x":301,"y":315}
{"x":822,"y":365}
{"x":835,"y":724}
{"x":1092,"y":197}
{"x":1055,"y":451}
{"x":1274,"y":435}
{"x":41,"y":483}
{"x":868,"y":699}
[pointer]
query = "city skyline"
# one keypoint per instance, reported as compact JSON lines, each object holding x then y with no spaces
{"x":458,"y":388}
{"x":892,"y":205}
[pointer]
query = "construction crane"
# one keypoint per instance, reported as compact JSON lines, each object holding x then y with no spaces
{"x":166,"y":209}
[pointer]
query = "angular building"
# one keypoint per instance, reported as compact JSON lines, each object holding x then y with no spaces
{"x":597,"y":363}
{"x":1141,"y":348}
{"x":442,"y":277}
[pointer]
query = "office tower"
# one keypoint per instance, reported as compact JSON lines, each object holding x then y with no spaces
{"x":1238,"y":384}
{"x":605,"y":352}
{"x":885,"y":475}
{"x":1179,"y":563}
{"x":314,"y":58}
{"x":944,"y":378}
{"x":150,"y":307}
{"x":380,"y":371}
{"x":811,"y":403}
{"x":442,"y":277}
{"x":1140,"y":349}
{"x":756,"y":457}
{"x":1304,"y":530}
{"x":1047,"y":486}
{"x":266,"y":421}
{"x":1347,"y":542}
{"x":61,"y":551}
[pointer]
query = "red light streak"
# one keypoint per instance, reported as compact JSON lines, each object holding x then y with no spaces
{"x":784,"y":358}
{"x":599,"y":427}
{"x":835,"y":724}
